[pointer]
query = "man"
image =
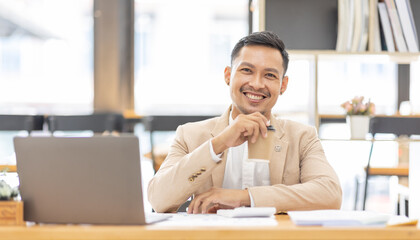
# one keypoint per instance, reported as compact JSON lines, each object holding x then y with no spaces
{"x":208,"y":159}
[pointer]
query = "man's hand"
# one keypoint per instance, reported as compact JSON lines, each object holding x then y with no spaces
{"x":219,"y":198}
{"x":244,"y":127}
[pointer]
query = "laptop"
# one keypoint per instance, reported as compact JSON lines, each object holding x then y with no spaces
{"x":81,"y":180}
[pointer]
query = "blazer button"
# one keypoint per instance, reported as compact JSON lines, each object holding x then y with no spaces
{"x":198,"y":173}
{"x":194,"y":175}
{"x":203,"y":169}
{"x":191,"y":179}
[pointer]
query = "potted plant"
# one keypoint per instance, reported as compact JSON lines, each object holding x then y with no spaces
{"x":358,"y":116}
{"x":11,"y":209}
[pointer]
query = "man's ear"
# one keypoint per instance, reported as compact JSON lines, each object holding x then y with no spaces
{"x":284,"y":83}
{"x":227,"y":75}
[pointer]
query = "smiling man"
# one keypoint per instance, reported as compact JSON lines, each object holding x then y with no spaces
{"x":208,"y":159}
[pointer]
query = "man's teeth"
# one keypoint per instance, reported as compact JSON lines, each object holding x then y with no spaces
{"x":255,"y":97}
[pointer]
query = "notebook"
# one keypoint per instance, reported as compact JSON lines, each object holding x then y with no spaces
{"x":81,"y":180}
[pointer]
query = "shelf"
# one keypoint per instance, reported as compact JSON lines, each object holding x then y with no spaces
{"x":408,"y":140}
{"x":10,"y":168}
{"x":340,"y":118}
{"x":389,"y":171}
{"x":397,"y":57}
{"x":334,"y":52}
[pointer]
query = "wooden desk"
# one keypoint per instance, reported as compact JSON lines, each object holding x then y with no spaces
{"x":285,"y":230}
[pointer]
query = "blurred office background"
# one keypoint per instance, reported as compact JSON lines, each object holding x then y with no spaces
{"x":165,"y":57}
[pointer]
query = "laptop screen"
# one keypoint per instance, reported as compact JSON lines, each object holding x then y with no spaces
{"x":88,"y":180}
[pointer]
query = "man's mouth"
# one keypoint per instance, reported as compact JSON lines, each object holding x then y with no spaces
{"x":254,"y":96}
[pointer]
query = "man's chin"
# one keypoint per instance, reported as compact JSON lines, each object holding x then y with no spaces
{"x":251,"y":110}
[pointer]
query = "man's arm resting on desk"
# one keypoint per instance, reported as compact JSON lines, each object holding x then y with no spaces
{"x":314,"y":195}
{"x":317,"y":185}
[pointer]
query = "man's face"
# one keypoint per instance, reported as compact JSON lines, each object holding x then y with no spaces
{"x":255,"y":80}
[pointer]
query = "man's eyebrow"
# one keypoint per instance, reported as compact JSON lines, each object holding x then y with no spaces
{"x":247,"y":64}
{"x":272,"y":70}
{"x":266,"y":69}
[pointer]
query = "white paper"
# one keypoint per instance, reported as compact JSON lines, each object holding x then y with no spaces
{"x":338,"y":218}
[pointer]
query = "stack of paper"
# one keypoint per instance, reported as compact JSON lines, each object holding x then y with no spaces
{"x":338,"y":218}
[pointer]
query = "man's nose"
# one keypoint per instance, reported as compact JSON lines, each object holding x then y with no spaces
{"x":257,"y":82}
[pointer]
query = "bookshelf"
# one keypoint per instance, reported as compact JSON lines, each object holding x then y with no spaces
{"x":309,"y":30}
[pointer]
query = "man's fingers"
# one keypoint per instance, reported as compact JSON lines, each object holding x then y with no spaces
{"x":214,"y":208}
{"x":252,"y":130}
{"x":262,"y":117}
{"x":217,"y":198}
{"x":258,"y":124}
{"x":191,"y":206}
{"x":263,"y":128}
{"x":196,"y":203}
{"x":196,"y":206}
{"x":207,"y":203}
{"x":262,"y":123}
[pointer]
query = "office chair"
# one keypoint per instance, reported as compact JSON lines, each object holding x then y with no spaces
{"x":21,"y":122}
{"x":96,"y":122}
{"x":166,"y":123}
{"x":398,"y":126}
{"x":27,"y":123}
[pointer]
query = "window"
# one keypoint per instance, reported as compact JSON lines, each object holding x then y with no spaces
{"x":340,"y":79}
{"x":46,"y":56}
{"x":181,"y":50}
{"x":294,"y":103}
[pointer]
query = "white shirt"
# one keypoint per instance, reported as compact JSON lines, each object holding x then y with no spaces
{"x":241,"y":173}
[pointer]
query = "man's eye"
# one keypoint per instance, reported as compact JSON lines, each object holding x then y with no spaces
{"x":246,"y":70}
{"x":270,"y":75}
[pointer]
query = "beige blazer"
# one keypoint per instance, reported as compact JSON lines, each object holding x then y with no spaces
{"x":301,"y":177}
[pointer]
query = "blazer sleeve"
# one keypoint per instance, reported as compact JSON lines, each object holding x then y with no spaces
{"x":175,"y":181}
{"x":319,"y":187}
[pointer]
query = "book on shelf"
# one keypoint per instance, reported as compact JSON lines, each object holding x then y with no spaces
{"x":374,"y":38}
{"x":354,"y":22}
{"x":350,"y":25}
{"x":396,"y":26}
{"x":358,"y":25}
{"x":361,"y":25}
{"x":353,"y":25}
{"x":363,"y":41}
{"x":386,"y":27}
{"x":407,"y":23}
{"x":376,"y":25}
{"x":343,"y":20}
{"x":345,"y":25}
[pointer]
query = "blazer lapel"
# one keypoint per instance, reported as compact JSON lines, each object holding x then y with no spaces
{"x":278,"y":158}
{"x":219,"y":172}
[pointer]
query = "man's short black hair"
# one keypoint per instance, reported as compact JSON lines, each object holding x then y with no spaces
{"x":265,"y":38}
